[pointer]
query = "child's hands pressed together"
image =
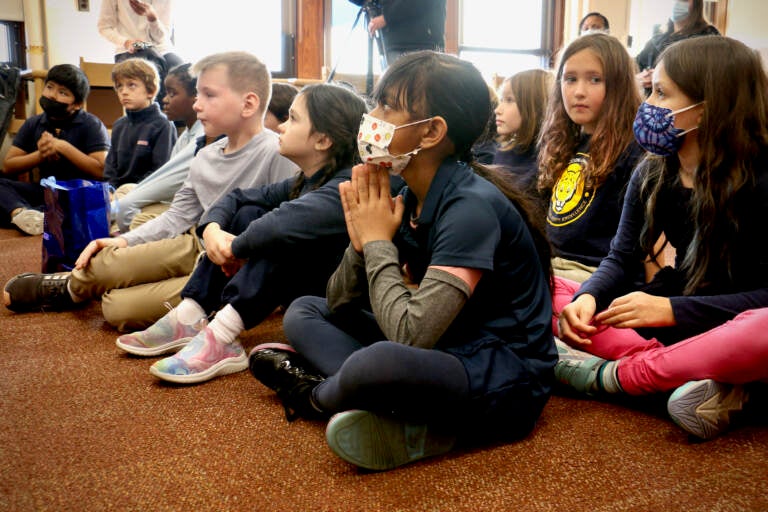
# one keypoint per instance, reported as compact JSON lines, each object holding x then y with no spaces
{"x":46,"y":145}
{"x":369,"y":210}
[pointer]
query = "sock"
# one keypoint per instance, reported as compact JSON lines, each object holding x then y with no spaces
{"x":227,"y":324}
{"x":608,"y":377}
{"x":75,"y":298}
{"x":189,"y":312}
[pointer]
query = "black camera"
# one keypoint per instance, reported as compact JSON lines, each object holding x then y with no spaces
{"x":142,"y":45}
{"x":372,"y":8}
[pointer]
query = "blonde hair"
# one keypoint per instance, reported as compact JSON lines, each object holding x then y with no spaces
{"x":245,"y":72}
{"x":138,"y":69}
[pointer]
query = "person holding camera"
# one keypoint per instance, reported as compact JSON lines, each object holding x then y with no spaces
{"x":406,"y":25}
{"x":140,"y":29}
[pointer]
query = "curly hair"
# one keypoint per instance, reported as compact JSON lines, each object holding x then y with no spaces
{"x":560,"y":135}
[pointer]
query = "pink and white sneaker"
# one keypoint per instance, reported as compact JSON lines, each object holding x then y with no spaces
{"x":202,"y":359}
{"x":164,"y":336}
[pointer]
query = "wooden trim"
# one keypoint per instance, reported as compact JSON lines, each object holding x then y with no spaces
{"x":721,"y":15}
{"x":452,"y":27}
{"x":558,"y":29}
{"x":310,"y":38}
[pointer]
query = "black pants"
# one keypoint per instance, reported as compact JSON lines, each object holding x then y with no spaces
{"x":265,"y":281}
{"x":18,"y":194}
{"x":365,"y":372}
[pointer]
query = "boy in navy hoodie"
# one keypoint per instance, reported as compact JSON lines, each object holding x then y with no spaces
{"x":143,"y":138}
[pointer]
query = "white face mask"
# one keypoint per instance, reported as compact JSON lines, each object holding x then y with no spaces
{"x":596,"y":31}
{"x":373,"y":142}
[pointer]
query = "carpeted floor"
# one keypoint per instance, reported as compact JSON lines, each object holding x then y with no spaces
{"x":84,"y":427}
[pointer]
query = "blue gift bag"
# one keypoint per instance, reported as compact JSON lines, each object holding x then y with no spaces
{"x":76,"y":212}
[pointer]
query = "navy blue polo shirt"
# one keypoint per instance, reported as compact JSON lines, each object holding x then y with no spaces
{"x":83,"y":130}
{"x":503,"y":335}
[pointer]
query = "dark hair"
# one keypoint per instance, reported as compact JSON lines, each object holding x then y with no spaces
{"x":336,"y":112}
{"x":694,"y":23}
{"x":729,"y":78}
{"x":282,"y":97}
{"x":183,"y":72}
{"x":72,"y":78}
{"x":597,"y":14}
{"x":428,"y":84}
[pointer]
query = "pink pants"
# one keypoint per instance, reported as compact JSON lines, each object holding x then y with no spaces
{"x":735,"y":352}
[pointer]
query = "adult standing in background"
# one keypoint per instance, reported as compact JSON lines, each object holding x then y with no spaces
{"x":406,"y":25}
{"x":140,"y":29}
{"x":686,"y":20}
{"x":594,"y":23}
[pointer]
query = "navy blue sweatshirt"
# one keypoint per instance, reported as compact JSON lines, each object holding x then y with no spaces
{"x":313,"y":222}
{"x":724,"y":296}
{"x":142,"y":141}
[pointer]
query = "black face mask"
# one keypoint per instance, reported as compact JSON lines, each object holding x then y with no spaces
{"x":54,"y":109}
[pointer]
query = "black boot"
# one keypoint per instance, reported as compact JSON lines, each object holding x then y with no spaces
{"x":283,"y":370}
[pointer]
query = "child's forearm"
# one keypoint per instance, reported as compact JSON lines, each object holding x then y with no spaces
{"x":91,"y":164}
{"x":22,"y":163}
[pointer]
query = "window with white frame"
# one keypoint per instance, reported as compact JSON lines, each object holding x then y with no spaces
{"x":265,"y":28}
{"x":504,"y":37}
{"x":499,"y":36}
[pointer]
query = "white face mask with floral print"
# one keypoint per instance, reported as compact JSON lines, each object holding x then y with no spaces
{"x":373,"y":141}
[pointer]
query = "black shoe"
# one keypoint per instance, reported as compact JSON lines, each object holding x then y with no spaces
{"x":38,"y":292}
{"x":281,"y":369}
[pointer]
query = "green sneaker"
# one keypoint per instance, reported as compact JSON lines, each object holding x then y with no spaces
{"x":703,"y":408}
{"x":566,"y":352}
{"x":372,"y":441}
{"x":580,"y":374}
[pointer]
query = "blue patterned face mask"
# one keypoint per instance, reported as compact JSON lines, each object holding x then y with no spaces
{"x":655,"y":130}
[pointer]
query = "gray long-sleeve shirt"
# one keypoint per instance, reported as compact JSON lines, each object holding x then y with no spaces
{"x":212,"y":175}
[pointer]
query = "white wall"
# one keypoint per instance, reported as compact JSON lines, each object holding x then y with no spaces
{"x":71,"y":34}
{"x":11,"y":10}
{"x":746,"y":22}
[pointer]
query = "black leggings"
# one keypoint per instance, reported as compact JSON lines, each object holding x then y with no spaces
{"x":367,"y":373}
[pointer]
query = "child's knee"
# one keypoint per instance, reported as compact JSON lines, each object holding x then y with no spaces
{"x":302,"y":310}
{"x":121,"y":316}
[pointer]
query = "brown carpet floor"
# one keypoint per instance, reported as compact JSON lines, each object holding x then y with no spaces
{"x":85,"y":427}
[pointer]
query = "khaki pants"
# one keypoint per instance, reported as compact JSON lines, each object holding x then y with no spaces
{"x":572,"y":270}
{"x":135,"y":282}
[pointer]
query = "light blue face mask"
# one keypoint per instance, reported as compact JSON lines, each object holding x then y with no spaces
{"x":680,"y":10}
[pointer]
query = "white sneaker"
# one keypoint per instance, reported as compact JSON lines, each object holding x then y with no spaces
{"x":29,"y":221}
{"x":566,"y":352}
{"x":704,"y":407}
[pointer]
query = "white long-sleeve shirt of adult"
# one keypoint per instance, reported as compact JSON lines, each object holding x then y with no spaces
{"x":213,"y":174}
{"x":118,"y":23}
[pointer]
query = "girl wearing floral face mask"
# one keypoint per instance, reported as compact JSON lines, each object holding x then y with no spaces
{"x":698,"y":329}
{"x":468,"y":351}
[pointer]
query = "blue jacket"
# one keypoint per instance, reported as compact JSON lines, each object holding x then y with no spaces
{"x":142,"y":141}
